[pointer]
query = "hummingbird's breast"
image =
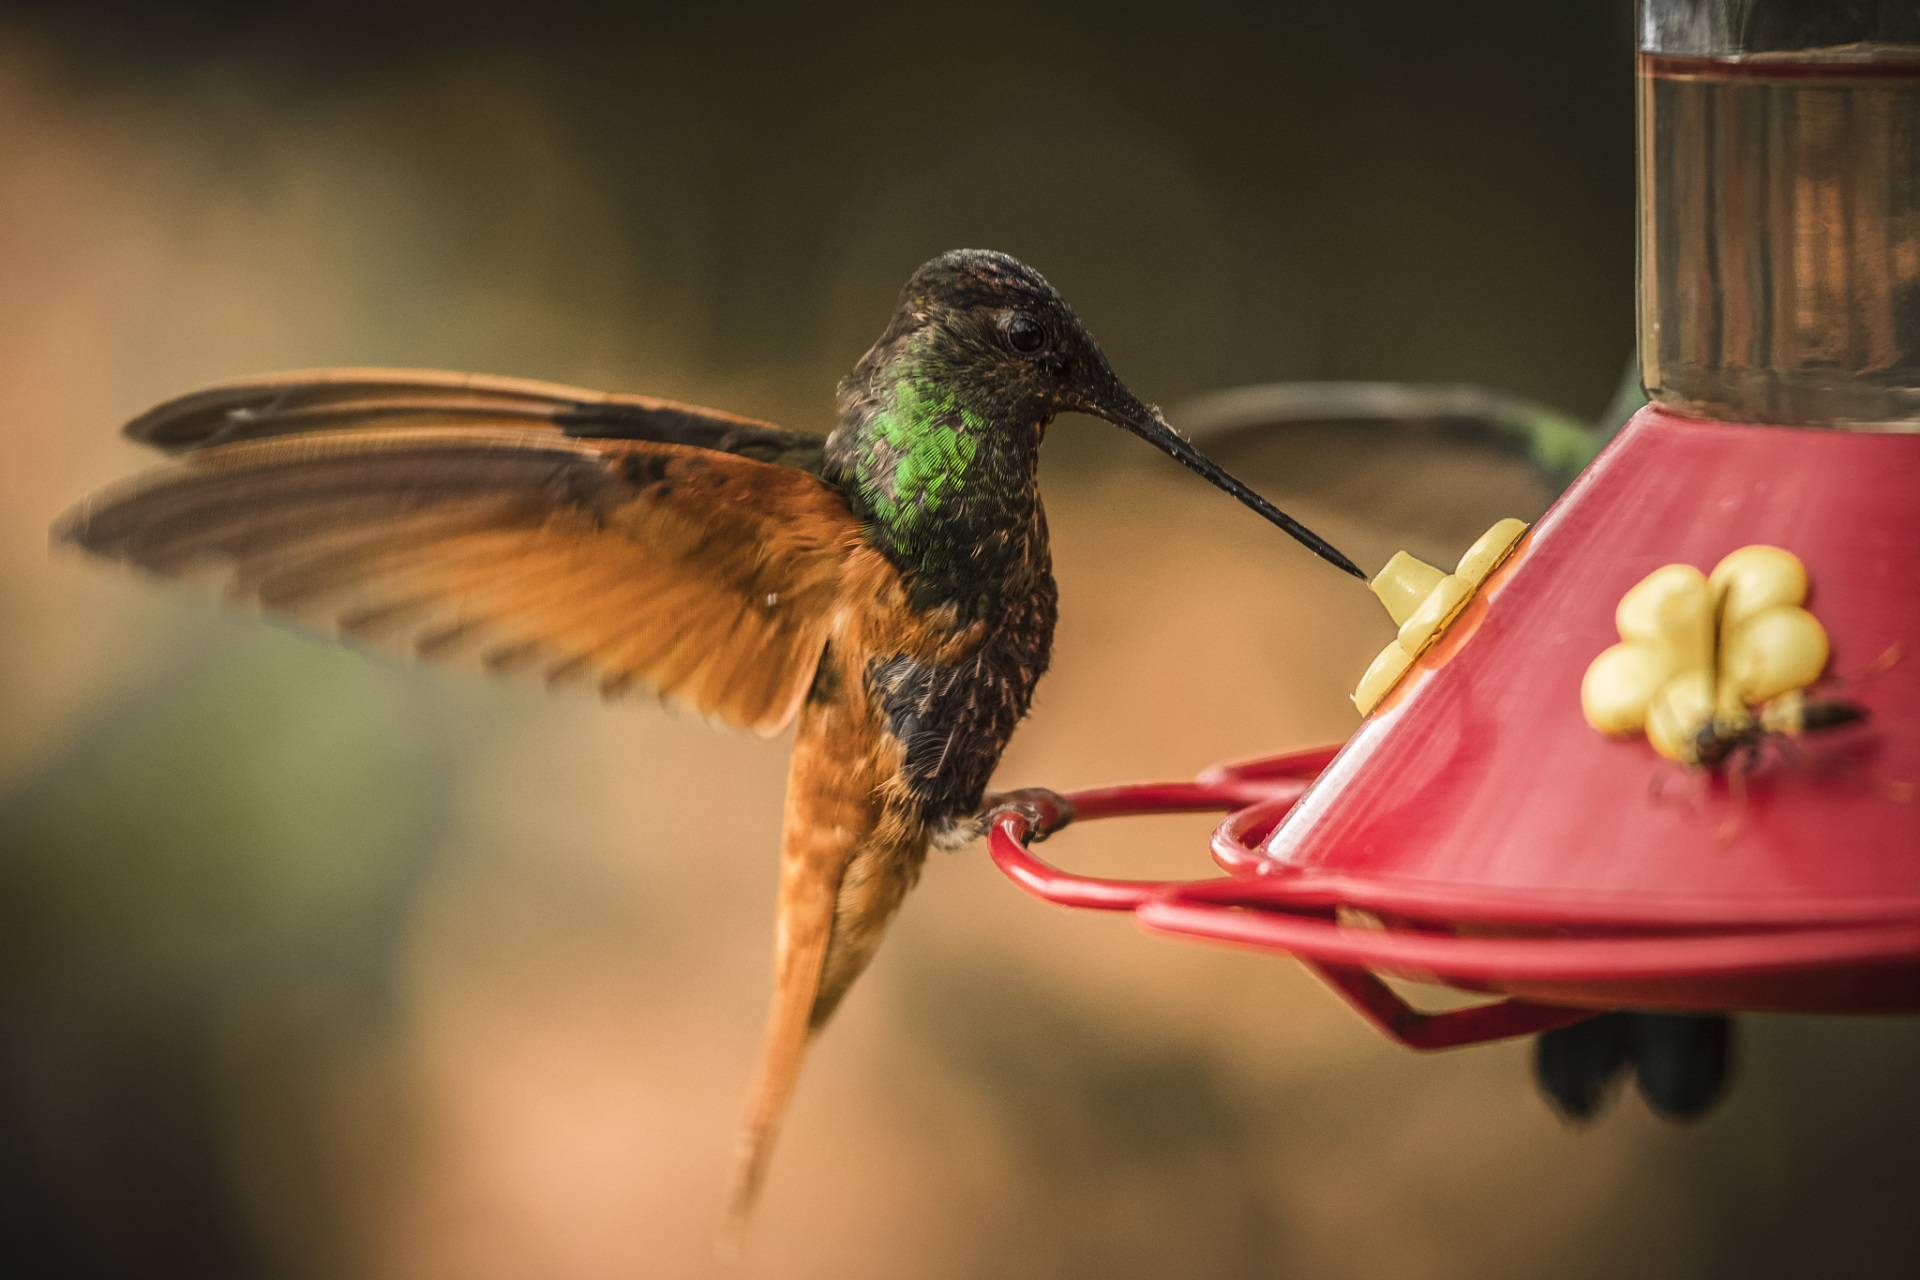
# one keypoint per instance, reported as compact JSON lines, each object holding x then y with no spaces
{"x":952,"y":719}
{"x":928,"y":694}
{"x":944,"y":484}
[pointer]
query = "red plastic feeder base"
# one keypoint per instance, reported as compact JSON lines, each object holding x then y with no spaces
{"x":1552,"y":978}
{"x":1476,"y":832}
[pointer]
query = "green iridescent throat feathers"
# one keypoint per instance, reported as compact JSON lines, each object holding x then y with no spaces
{"x":942,"y":472}
{"x":930,"y":438}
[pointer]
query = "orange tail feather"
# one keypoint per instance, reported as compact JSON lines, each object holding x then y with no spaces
{"x":847,"y":858}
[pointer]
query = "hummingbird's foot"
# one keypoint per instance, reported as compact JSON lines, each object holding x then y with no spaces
{"x":1045,"y":811}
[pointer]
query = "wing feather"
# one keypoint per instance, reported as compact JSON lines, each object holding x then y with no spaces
{"x":708,"y":577}
{"x":313,"y":400}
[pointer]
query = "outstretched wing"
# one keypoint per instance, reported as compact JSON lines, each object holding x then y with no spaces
{"x":336,"y":399}
{"x":710,"y":577}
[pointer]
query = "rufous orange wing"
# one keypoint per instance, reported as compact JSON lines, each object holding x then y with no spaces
{"x":523,"y":526}
{"x":623,"y":564}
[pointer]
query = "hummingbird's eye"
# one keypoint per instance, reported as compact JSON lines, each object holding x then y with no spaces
{"x":1024,"y":334}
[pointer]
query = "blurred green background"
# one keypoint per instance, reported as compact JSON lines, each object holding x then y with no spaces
{"x":316,"y":965}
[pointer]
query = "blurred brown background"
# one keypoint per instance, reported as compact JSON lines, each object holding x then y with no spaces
{"x":313,"y":965}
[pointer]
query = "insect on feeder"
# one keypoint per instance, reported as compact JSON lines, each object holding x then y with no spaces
{"x":1478,"y":830}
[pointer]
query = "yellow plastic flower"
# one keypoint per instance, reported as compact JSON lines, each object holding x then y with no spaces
{"x":1664,"y":678}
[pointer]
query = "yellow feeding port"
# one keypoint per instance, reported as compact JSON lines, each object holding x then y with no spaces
{"x":1423,"y":602}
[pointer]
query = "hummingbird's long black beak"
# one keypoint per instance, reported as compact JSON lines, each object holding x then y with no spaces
{"x":1122,"y":408}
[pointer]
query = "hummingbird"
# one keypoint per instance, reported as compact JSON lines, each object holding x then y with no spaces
{"x":886,"y":589}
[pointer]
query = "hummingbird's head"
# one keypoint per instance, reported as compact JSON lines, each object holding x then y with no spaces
{"x":987,"y":324}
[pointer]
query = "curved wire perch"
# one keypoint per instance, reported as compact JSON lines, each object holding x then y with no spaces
{"x":1207,"y":909}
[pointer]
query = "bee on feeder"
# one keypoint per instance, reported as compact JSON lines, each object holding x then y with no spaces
{"x":1733,"y":734}
{"x":1735,"y":742}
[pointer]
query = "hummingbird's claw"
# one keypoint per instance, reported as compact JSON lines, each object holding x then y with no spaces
{"x":1045,"y":811}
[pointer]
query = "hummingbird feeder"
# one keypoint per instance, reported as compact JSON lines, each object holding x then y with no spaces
{"x":1478,"y":830}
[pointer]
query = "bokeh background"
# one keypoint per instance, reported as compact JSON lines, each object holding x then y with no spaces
{"x":315,"y":965}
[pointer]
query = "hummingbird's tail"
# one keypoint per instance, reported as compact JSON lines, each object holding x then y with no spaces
{"x":803,"y":936}
{"x":847,"y":858}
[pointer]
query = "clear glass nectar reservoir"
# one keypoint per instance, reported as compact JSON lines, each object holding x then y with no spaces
{"x":1779,"y":219}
